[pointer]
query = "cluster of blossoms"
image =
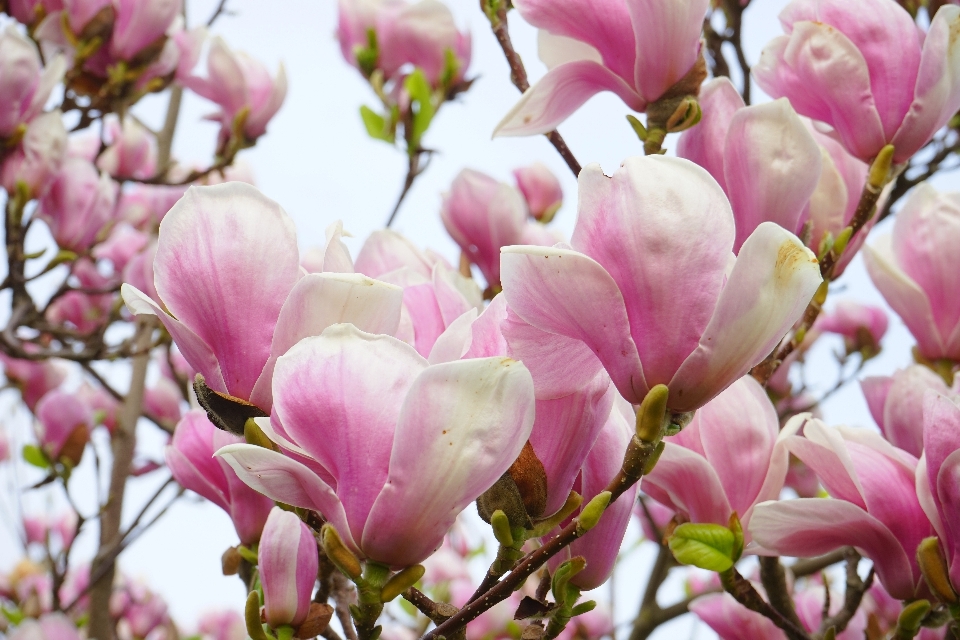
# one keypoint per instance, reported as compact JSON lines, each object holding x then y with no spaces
{"x":645,"y":369}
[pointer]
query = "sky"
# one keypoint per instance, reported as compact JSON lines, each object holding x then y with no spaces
{"x":318,"y":163}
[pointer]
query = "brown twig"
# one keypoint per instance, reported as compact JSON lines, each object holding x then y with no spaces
{"x":123,"y":445}
{"x":651,"y":614}
{"x":518,"y":76}
{"x":635,"y":460}
{"x":774,"y":580}
{"x":744,"y":593}
{"x":855,"y":589}
{"x":810,"y":566}
{"x":413,"y":171}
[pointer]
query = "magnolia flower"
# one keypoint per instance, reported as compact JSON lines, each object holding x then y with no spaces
{"x":835,"y":66}
{"x":938,"y":474}
{"x":63,"y":426}
{"x":896,"y":404}
{"x":33,"y":378}
{"x":120,"y":247}
{"x":422,"y":34}
{"x":391,"y":459}
{"x":78,"y":205}
{"x":874,"y":506}
{"x":132,"y":152}
{"x":651,"y":286}
{"x":434,"y":295}
{"x":915,"y":268}
{"x":39,"y":156}
{"x":287,"y":559}
{"x":222,"y":625}
{"x":727,"y":460}
{"x":140,"y":24}
{"x":24,"y":85}
{"x":227,"y":270}
{"x":638,"y":49}
{"x":541,"y":190}
{"x":862,"y":326}
{"x":191,"y":461}
{"x":51,"y":626}
{"x":763,"y":157}
{"x":483,"y":215}
{"x":242,"y":87}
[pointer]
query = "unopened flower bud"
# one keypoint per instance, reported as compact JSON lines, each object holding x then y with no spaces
{"x":652,"y":414}
{"x":401,"y":581}
{"x":288,"y":561}
{"x":933,"y":566}
{"x":338,"y":552}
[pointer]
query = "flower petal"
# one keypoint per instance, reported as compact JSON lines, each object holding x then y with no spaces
{"x":284,"y":480}
{"x":329,"y":403}
{"x":903,"y":294}
{"x":561,"y":92}
{"x":461,"y":427}
{"x":568,"y":293}
{"x":195,"y":351}
{"x":771,"y":166}
{"x":226,"y":259}
{"x":773,"y":279}
{"x":320,"y":300}
{"x":937,"y":94}
{"x":684,"y":481}
{"x":667,"y":33}
{"x":808,"y":527}
{"x":659,"y":226}
{"x":704,"y":143}
{"x":605,"y":26}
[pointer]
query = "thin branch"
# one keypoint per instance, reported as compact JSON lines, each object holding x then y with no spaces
{"x":123,"y":444}
{"x":220,"y":10}
{"x":518,"y":75}
{"x":809,"y":566}
{"x":650,"y":614}
{"x":635,"y":460}
{"x":744,"y":593}
{"x":774,"y":580}
{"x":852,"y":597}
{"x":413,"y":171}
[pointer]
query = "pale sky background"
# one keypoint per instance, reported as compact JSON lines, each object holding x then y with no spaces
{"x":318,"y":163}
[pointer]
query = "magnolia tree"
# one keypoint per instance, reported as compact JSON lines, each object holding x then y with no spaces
{"x":345,"y":410}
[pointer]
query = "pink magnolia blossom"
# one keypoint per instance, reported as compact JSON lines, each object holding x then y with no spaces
{"x":123,"y":243}
{"x":483,"y":215}
{"x":434,"y":437}
{"x":601,"y":545}
{"x":860,"y":325}
{"x":163,"y":400}
{"x":80,"y":13}
{"x":191,"y":461}
{"x":39,"y":156}
{"x":915,"y":269}
{"x":222,"y":625}
{"x":35,"y":529}
{"x":50,"y":626}
{"x":87,"y":312}
{"x":727,"y":460}
{"x":422,"y":34}
{"x":434,"y":295}
{"x":132,"y":150}
{"x":227,"y":270}
{"x":541,"y":190}
{"x":64,"y":423}
{"x":140,"y":24}
{"x":662,"y":226}
{"x":24,"y":84}
{"x":144,"y":206}
{"x":637,"y":49}
{"x":874,"y":506}
{"x":938,"y":474}
{"x":569,"y":417}
{"x":287,"y":559}
{"x":78,"y":205}
{"x":835,"y":65}
{"x":240,"y":85}
{"x":33,"y":378}
{"x":140,"y":611}
{"x":896,"y":404}
{"x":763,"y":156}
{"x":138,"y":272}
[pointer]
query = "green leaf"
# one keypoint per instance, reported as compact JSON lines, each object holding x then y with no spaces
{"x":34,"y":455}
{"x":707,"y":546}
{"x":376,"y":125}
{"x":421,"y":96}
{"x":637,"y":127}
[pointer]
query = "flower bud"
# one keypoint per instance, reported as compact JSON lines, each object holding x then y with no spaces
{"x":132,"y":152}
{"x":64,"y":424}
{"x":38,"y":157}
{"x":541,"y":189}
{"x":24,"y":87}
{"x":288,"y":561}
{"x":78,"y":205}
{"x":140,"y":24}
